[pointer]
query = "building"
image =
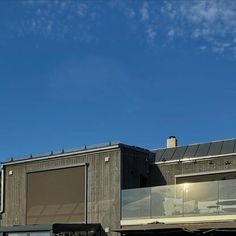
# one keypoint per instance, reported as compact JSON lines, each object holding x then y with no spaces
{"x":192,"y":191}
{"x":120,"y":189}
{"x":77,"y":186}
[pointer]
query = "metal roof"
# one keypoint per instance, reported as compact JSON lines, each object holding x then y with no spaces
{"x":63,"y":153}
{"x":69,"y":152}
{"x":196,"y":150}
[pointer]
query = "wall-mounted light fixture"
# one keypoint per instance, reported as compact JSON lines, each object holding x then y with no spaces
{"x":227,"y":163}
{"x":210,"y":162}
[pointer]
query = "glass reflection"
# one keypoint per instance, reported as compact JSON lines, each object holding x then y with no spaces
{"x":187,"y":199}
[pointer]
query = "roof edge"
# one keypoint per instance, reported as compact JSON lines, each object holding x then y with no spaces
{"x":192,"y":144}
{"x":63,"y":153}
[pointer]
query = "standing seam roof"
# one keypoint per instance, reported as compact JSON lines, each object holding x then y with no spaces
{"x":196,"y":150}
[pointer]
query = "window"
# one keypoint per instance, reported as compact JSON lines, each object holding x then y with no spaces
{"x":56,"y":195}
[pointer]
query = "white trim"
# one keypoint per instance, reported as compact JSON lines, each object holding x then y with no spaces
{"x":193,"y":159}
{"x":56,"y":168}
{"x":86,"y":192}
{"x":174,"y":220}
{"x":85,"y":165}
{"x":2,"y":190}
{"x":205,"y":173}
{"x":61,"y":155}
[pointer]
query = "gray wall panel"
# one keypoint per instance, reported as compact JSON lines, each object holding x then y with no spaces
{"x":135,"y":168}
{"x":103,"y":187}
{"x":167,"y":171}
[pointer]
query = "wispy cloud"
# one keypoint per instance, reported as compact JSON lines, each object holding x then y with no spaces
{"x":144,"y":11}
{"x":203,"y":48}
{"x":211,"y":22}
{"x":58,"y":19}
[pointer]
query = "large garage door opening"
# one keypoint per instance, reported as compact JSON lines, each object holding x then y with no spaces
{"x":57,"y":195}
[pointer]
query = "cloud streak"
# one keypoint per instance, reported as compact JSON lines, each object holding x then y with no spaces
{"x":58,"y":19}
{"x":144,"y":11}
{"x":211,"y":22}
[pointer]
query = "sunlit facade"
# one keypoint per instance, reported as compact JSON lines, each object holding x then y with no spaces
{"x":115,"y":189}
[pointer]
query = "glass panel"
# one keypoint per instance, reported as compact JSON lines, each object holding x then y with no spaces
{"x":39,"y":233}
{"x":136,"y":203}
{"x":227,"y":196}
{"x":163,"y":201}
{"x":17,"y":234}
{"x":200,"y":198}
{"x":186,"y":199}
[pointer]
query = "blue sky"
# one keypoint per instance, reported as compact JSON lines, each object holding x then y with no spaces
{"x":76,"y":73}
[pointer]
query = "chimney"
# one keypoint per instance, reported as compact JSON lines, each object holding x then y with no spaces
{"x":171,"y":142}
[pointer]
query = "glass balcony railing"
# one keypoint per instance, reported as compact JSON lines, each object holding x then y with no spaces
{"x":188,"y":199}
